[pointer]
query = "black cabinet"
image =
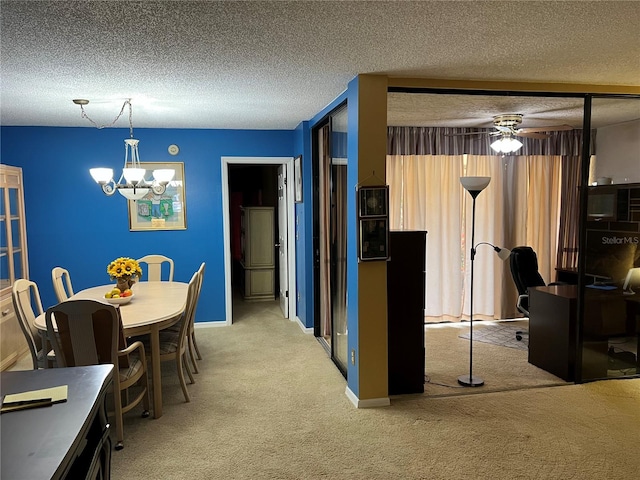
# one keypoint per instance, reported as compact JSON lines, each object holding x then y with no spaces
{"x":405,"y":311}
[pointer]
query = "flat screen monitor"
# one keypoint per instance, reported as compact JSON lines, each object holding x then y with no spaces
{"x":601,"y":206}
{"x":611,"y":254}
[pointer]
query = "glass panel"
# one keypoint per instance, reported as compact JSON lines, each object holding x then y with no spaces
{"x":611,"y":317}
{"x":17,"y":265}
{"x":339,"y":235}
{"x":14,"y":203}
{"x":2,"y":202}
{"x":15,"y":233}
{"x":3,"y":236}
{"x":4,"y":263}
{"x":4,"y":271}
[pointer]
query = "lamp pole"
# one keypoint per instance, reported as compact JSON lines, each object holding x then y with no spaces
{"x":474,"y":185}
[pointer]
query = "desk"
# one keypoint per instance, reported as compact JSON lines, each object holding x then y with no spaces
{"x":155,"y":306}
{"x":60,"y":441}
{"x":553,"y":327}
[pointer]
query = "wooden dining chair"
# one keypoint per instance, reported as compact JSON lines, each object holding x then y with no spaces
{"x":194,"y":351}
{"x":192,"y":345}
{"x":25,"y":296}
{"x":154,"y":267}
{"x":61,"y":283}
{"x":89,"y":332}
{"x":174,"y":341}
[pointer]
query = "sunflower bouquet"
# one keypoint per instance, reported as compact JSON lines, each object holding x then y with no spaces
{"x":124,"y":270}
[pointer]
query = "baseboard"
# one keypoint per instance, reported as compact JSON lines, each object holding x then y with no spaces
{"x":210,"y":324}
{"x":368,"y":403}
{"x":308,"y":330}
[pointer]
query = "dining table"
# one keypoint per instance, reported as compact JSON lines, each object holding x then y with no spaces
{"x":153,"y":307}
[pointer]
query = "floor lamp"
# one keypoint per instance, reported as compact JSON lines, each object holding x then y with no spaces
{"x":474,"y":185}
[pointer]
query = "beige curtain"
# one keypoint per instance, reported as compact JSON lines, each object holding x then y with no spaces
{"x":421,"y":189}
{"x":520,"y":206}
{"x":543,"y":210}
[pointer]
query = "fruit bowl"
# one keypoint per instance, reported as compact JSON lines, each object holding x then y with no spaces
{"x":120,"y":301}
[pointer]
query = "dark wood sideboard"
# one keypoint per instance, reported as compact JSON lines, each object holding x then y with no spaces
{"x":553,"y":329}
{"x":405,"y":311}
{"x":68,"y":440}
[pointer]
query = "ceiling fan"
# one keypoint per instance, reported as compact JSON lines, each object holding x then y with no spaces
{"x":506,"y":126}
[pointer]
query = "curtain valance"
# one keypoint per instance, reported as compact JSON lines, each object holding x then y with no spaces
{"x":448,"y":141}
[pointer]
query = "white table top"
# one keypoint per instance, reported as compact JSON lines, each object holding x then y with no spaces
{"x":153,"y":302}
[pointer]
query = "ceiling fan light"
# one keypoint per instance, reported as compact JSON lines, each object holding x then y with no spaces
{"x":497,"y":145}
{"x":506,"y":145}
{"x":101,"y":175}
{"x":514,"y":144}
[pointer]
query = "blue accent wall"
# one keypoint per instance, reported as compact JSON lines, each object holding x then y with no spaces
{"x":304,"y":228}
{"x":71,"y":223}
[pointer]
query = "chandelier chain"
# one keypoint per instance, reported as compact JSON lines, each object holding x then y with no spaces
{"x":106,"y":125}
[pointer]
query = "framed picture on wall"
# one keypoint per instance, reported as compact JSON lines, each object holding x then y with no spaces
{"x":297,"y":178}
{"x":374,"y":239}
{"x":166,"y":211}
{"x":373,"y":201}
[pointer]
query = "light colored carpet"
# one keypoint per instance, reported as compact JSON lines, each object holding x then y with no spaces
{"x":447,"y":357}
{"x":269,"y":404}
{"x":499,"y":333}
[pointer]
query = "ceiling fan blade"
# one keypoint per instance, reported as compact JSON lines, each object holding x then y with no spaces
{"x":549,"y":128}
{"x":533,"y":135}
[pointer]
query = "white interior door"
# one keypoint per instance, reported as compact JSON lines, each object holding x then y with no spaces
{"x":283,"y":264}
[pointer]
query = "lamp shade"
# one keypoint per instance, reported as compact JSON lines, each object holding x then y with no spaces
{"x":506,"y":145}
{"x":101,"y":175}
{"x":163,"y":175}
{"x":133,"y":175}
{"x":129,"y":194}
{"x":475,"y":184}
{"x":503,"y":253}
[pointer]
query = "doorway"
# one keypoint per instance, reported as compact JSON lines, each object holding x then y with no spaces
{"x":273,"y":170}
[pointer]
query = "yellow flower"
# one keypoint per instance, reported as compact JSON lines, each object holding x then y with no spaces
{"x":124,"y":267}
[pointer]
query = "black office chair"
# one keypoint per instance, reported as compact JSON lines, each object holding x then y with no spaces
{"x":524,"y":269}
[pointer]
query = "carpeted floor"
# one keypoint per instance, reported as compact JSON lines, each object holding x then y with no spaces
{"x":501,"y":368}
{"x":269,"y":404}
{"x":499,"y":333}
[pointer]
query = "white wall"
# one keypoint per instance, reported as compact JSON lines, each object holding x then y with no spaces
{"x":618,"y":152}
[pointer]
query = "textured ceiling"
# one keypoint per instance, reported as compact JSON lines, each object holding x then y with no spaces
{"x":271,"y":65}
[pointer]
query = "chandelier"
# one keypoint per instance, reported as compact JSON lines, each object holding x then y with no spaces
{"x":134,"y":186}
{"x":506,"y":144}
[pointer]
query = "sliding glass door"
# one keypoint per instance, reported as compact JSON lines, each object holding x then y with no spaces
{"x":330,"y":235}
